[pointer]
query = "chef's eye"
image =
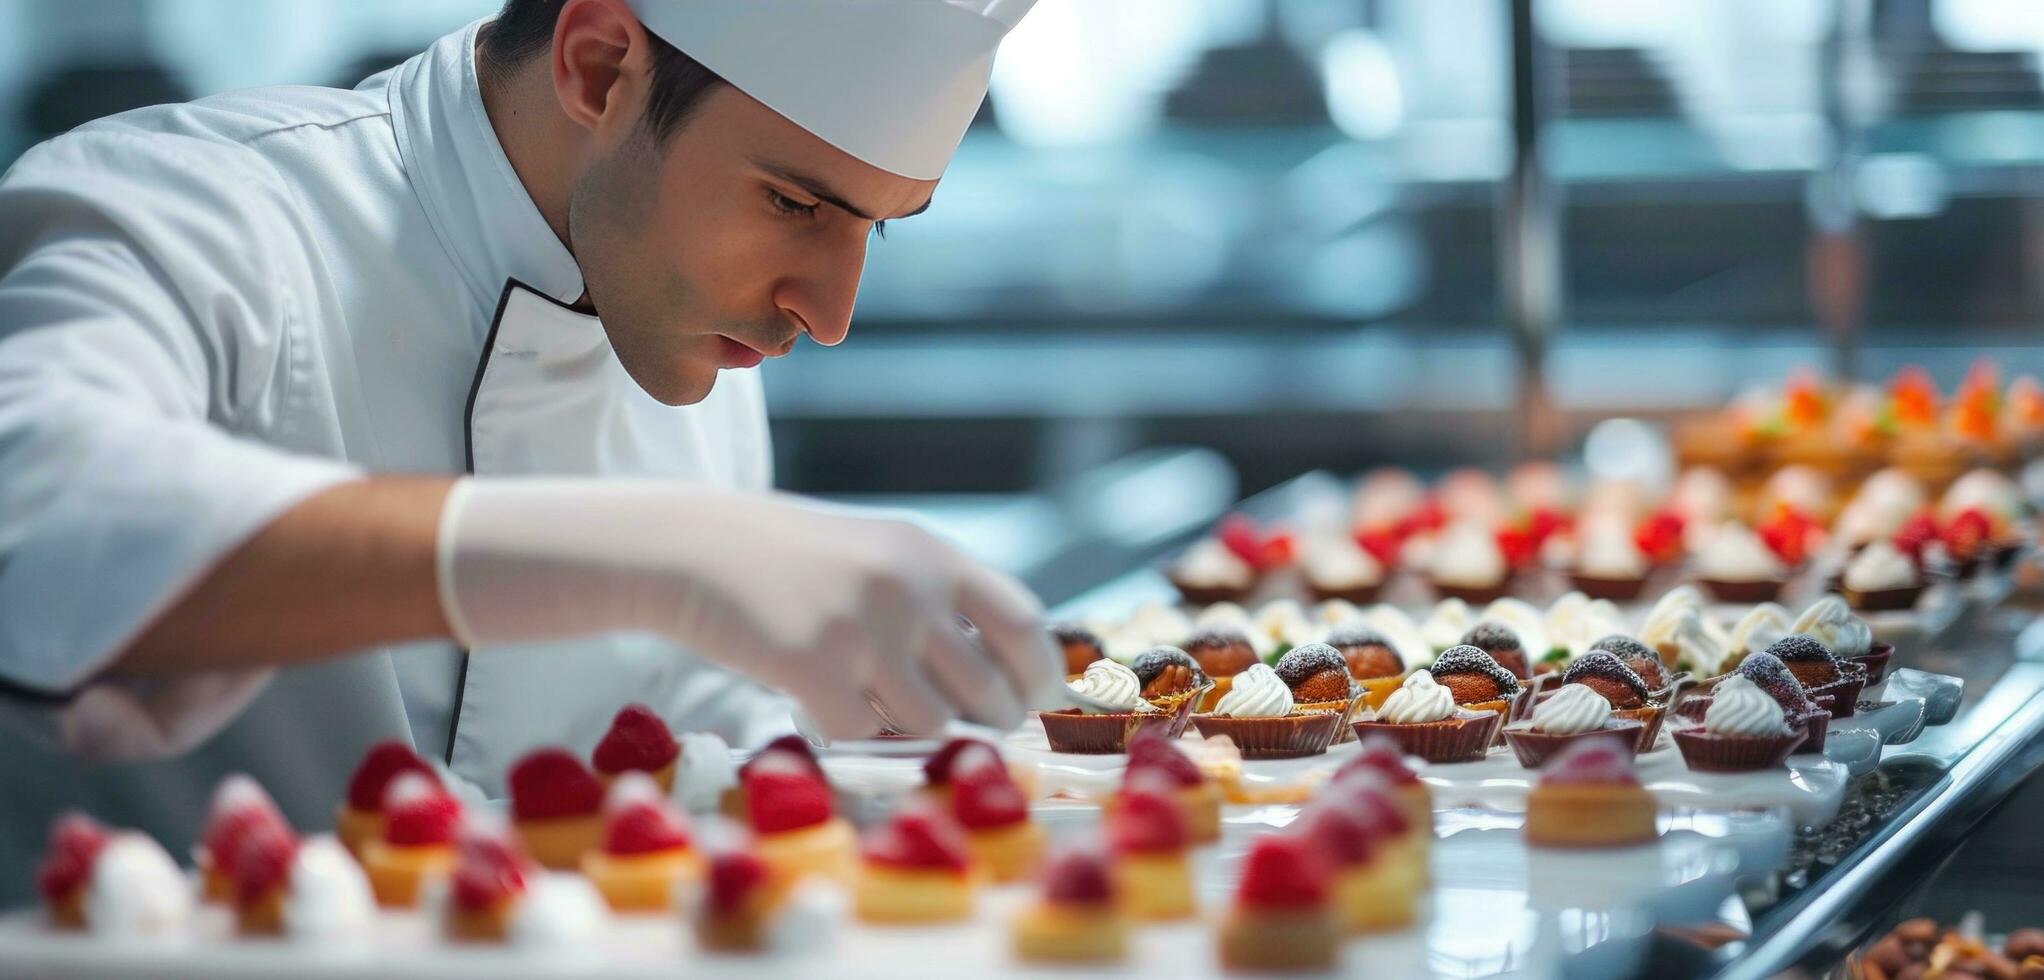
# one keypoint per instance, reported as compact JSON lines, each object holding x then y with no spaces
{"x":789,"y":206}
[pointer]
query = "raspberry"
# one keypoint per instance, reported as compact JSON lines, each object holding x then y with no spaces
{"x":262,"y":860}
{"x":781,"y":794}
{"x":75,"y":842}
{"x":917,"y":839}
{"x":1967,"y":533}
{"x":1078,"y":878}
{"x":417,"y":813}
{"x":1383,"y":544}
{"x":1381,"y":755}
{"x":238,"y":804}
{"x":1282,"y":872}
{"x":383,"y":762}
{"x":795,"y":745}
{"x":1917,"y":534}
{"x":644,"y":827}
{"x":1147,"y":819}
{"x":938,"y":769}
{"x":1240,"y":535}
{"x":983,"y":795}
{"x":489,"y":870}
{"x":734,"y":877}
{"x":637,"y":740}
{"x":1591,"y":761}
{"x":1150,"y":751}
{"x":1366,"y":799}
{"x":1339,"y":833}
{"x":1659,"y":537}
{"x":551,"y":783}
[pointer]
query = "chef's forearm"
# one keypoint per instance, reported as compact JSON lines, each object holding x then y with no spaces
{"x":348,"y":568}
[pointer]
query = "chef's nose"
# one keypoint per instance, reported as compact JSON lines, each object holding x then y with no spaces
{"x":819,"y":299}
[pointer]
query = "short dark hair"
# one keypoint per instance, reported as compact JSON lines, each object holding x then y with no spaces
{"x":524,"y":30}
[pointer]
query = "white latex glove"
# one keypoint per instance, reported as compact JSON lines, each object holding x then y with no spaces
{"x":851,"y":615}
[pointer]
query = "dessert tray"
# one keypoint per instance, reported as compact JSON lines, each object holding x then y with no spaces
{"x":1498,"y":908}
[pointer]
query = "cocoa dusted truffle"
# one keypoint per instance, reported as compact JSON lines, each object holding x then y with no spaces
{"x":1080,"y":645}
{"x":1640,"y":657}
{"x":1768,"y":673}
{"x":1315,"y":672}
{"x":1167,"y":670}
{"x":1601,"y":671}
{"x":1808,"y":659}
{"x":1368,"y":652}
{"x":1472,"y":676}
{"x":1501,"y":643}
{"x":1221,"y":652}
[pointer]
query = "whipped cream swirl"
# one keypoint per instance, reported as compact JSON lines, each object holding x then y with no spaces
{"x":1113,"y":685}
{"x":1741,"y":709}
{"x":329,"y":899}
{"x":703,"y":771}
{"x":561,"y":914}
{"x":1257,"y":693}
{"x":1879,"y":566}
{"x":1733,"y":553}
{"x":1830,"y":621}
{"x":1759,"y":628}
{"x":136,"y":890}
{"x":1338,"y":563}
{"x":1419,"y":700}
{"x":1574,"y":709}
{"x":1209,"y":562}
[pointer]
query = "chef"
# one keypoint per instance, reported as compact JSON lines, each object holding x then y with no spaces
{"x":427,"y":410}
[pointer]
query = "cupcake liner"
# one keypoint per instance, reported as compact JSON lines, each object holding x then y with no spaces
{"x":1361,"y":595}
{"x":1883,"y":600}
{"x":1290,"y":737}
{"x":1705,"y":752}
{"x":1815,"y":725}
{"x":1876,"y":662}
{"x":1462,"y":737}
{"x":1613,"y":589}
{"x":1843,"y":693}
{"x":1475,"y":595}
{"x":1650,"y":718}
{"x":1344,"y":709}
{"x":1766,"y":590}
{"x":1207,"y":595}
{"x":1534,"y":748}
{"x":1072,"y":731}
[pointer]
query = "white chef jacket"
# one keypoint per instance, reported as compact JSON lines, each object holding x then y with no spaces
{"x":209,"y":312}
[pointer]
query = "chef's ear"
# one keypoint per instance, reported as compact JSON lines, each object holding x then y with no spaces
{"x":601,"y":59}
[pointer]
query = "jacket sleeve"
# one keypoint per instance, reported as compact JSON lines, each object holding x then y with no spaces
{"x":146,"y":356}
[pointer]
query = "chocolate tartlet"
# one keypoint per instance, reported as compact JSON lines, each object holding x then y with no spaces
{"x":1643,"y":659}
{"x":1299,"y":734}
{"x":1166,"y":672}
{"x":1081,"y":647}
{"x":1320,"y":682}
{"x":1771,"y":675}
{"x":1476,"y":680}
{"x":1603,"y":672}
{"x":1220,"y":654}
{"x":1372,"y":661}
{"x":1821,"y":674}
{"x":1705,"y":751}
{"x":1499,"y":640}
{"x":1534,"y":747}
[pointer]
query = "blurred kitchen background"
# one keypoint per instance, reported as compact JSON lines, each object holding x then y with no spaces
{"x":1194,"y":248}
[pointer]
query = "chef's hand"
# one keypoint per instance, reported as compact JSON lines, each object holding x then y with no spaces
{"x":856,"y":617}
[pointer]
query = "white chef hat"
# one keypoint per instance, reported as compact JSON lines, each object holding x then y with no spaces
{"x":892,"y":82}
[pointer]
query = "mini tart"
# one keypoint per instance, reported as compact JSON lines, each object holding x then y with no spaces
{"x":826,"y":850}
{"x":396,"y":872}
{"x":641,"y":882}
{"x":1535,"y":747}
{"x":1007,"y":853}
{"x":1200,"y":806}
{"x":1705,"y":751}
{"x":1462,"y":737}
{"x":560,"y":842}
{"x":1072,"y":731}
{"x":1374,"y":896}
{"x":356,"y":828}
{"x":1589,"y":815}
{"x":1750,"y":592}
{"x":1208,"y":594}
{"x":1883,"y":600}
{"x":894,"y":895}
{"x":484,"y":925}
{"x":1301,"y":733}
{"x":1154,"y":885}
{"x":1613,"y":589}
{"x":1288,"y":939}
{"x":1054,"y":932}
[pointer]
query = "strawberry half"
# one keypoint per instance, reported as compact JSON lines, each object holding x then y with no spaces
{"x":262,"y":861}
{"x":488,"y":872}
{"x":637,"y":740}
{"x":1383,"y":544}
{"x":1282,"y":871}
{"x":644,"y":827}
{"x":1591,"y":762}
{"x":1150,"y":751}
{"x":1915,"y":536}
{"x":1659,"y":537}
{"x":784,"y":791}
{"x":937,"y":769}
{"x":1369,"y":803}
{"x":983,"y":795}
{"x":917,"y":839}
{"x":75,"y":842}
{"x":418,"y":812}
{"x":1147,"y":821}
{"x":551,"y":783}
{"x":1340,"y":833}
{"x":1967,"y":533}
{"x":1078,"y":878}
{"x":794,"y":745}
{"x":384,"y":761}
